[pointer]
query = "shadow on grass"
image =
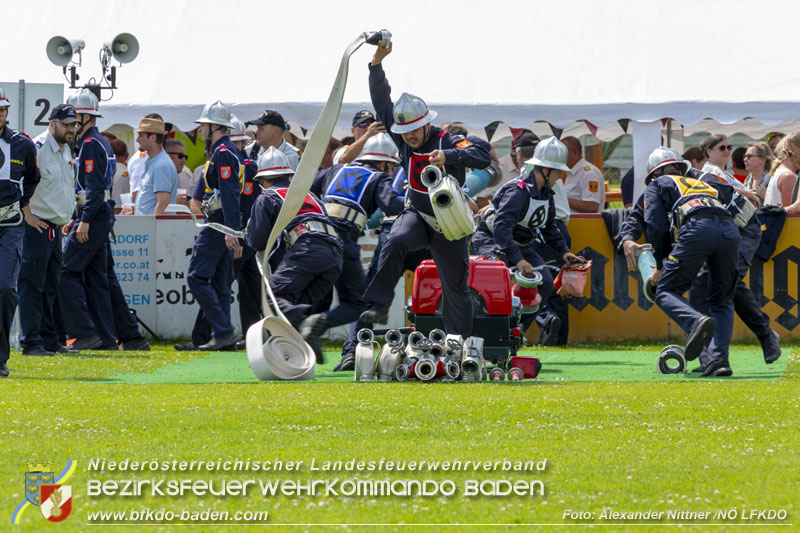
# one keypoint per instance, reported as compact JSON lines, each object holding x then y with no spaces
{"x":64,"y":378}
{"x":108,"y":355}
{"x":588,"y":363}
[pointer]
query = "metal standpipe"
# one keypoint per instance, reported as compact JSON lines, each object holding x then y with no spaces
{"x":21,"y":106}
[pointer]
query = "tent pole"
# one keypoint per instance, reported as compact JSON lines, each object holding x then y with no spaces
{"x":669,"y":133}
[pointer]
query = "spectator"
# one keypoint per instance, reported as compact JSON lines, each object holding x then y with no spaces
{"x":626,"y":186}
{"x":696,"y":157}
{"x":737,"y":162}
{"x":510,"y":165}
{"x":586,"y":188}
{"x":758,"y":161}
{"x":122,"y":182}
{"x":717,"y":150}
{"x":159,"y":186}
{"x":327,"y":159}
{"x":51,"y":206}
{"x":177,"y":152}
{"x":109,"y":136}
{"x":784,"y":171}
{"x":270,"y":127}
{"x":364,"y":127}
{"x":197,"y":175}
{"x":774,"y":139}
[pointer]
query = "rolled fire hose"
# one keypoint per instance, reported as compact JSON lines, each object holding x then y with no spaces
{"x":275,"y":350}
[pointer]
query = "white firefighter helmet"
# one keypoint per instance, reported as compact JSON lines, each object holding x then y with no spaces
{"x":410,"y":112}
{"x":663,"y":156}
{"x":379,"y":147}
{"x":239,"y":130}
{"x":84,"y":101}
{"x":216,"y":113}
{"x":272,"y":163}
{"x":550,"y":153}
{"x":3,"y":100}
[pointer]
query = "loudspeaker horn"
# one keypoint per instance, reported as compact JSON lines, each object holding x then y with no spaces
{"x":124,"y":47}
{"x":60,"y":50}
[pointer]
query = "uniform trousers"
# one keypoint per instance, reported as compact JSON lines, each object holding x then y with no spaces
{"x":410,"y":233}
{"x":703,"y":239}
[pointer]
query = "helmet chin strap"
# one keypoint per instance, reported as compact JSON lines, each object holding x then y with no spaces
{"x":546,"y":177}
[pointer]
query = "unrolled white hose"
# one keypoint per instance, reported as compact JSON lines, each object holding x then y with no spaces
{"x":275,"y":350}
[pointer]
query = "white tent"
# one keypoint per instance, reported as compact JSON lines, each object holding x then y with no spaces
{"x":478,"y":62}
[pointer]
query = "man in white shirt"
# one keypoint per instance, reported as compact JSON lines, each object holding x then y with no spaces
{"x":270,"y":127}
{"x":51,"y":206}
{"x":586,"y":188}
{"x":122,"y":182}
{"x":136,"y":171}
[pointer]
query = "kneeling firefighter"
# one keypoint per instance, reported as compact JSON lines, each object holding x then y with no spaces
{"x":304,"y":275}
{"x":521,"y":208}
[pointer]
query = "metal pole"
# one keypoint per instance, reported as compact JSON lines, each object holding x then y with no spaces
{"x":21,"y":125}
{"x":669,"y":133}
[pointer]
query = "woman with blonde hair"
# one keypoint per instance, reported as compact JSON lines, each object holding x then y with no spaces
{"x":784,"y":171}
{"x":758,"y":161}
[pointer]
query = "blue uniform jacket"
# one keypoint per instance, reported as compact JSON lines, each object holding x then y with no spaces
{"x":633,"y":225}
{"x":250,"y":190}
{"x":365,"y":189}
{"x":459,"y":152}
{"x":511,"y":205}
{"x":266,"y":209}
{"x":666,"y":193}
{"x":222,"y":173}
{"x":96,"y":168}
{"x":24,"y":171}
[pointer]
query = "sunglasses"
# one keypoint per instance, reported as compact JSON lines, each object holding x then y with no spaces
{"x":748,"y":156}
{"x":364,"y":124}
{"x":71,"y":125}
{"x":182,"y":157}
{"x":725,"y":147}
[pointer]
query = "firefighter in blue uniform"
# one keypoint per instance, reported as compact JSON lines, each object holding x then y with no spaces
{"x":411,"y":262}
{"x":521,"y":208}
{"x":667,"y":161}
{"x":697,"y":211}
{"x":352,"y":192}
{"x":421,"y":144}
{"x":245,"y":270}
{"x":84,"y":294}
{"x":110,"y":319}
{"x":19,"y":176}
{"x":304,"y":275}
{"x":210,"y":271}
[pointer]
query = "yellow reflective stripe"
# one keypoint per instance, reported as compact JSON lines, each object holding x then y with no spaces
{"x":692,"y":186}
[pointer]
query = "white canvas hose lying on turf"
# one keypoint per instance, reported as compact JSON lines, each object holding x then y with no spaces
{"x":275,"y":350}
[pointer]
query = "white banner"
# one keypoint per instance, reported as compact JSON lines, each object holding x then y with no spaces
{"x":151,"y":260}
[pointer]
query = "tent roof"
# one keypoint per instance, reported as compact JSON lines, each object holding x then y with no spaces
{"x":515,"y":61}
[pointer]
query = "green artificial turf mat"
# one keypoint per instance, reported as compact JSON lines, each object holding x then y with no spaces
{"x":558,"y":365}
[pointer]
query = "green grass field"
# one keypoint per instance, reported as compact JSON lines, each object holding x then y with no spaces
{"x":659,"y":446}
